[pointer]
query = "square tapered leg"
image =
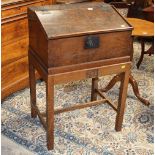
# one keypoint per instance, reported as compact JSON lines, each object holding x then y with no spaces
{"x":50,"y":113}
{"x":122,"y":100}
{"x":32,"y":81}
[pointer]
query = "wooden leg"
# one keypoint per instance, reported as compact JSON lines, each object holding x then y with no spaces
{"x":151,"y":50}
{"x":114,"y":80}
{"x":50,"y":113}
{"x":93,"y":90}
{"x":122,"y":100}
{"x":134,"y":85}
{"x":142,"y":53}
{"x":32,"y":81}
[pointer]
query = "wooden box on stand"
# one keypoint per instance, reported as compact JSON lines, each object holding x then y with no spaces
{"x":74,"y":42}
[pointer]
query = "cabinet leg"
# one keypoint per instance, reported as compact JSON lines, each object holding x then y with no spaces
{"x":114,"y":80}
{"x":32,"y":81}
{"x":94,"y":87}
{"x":50,"y":113}
{"x":134,"y":85}
{"x":142,"y":53}
{"x":122,"y":100}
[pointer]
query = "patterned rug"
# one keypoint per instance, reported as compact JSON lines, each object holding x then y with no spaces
{"x":88,"y":131}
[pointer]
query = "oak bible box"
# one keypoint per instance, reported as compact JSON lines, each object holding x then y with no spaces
{"x":74,"y":42}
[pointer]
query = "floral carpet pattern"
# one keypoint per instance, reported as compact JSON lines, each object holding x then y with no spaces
{"x":88,"y":131}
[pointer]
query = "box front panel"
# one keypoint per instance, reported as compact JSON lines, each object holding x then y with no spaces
{"x":83,"y":49}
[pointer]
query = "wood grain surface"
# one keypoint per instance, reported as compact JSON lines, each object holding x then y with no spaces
{"x":141,"y":27}
{"x":15,"y":40}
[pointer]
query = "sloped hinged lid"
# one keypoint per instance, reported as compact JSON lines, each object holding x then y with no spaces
{"x":60,"y":21}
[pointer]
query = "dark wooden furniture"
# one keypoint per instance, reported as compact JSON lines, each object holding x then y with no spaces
{"x":123,"y":6}
{"x":149,"y":13}
{"x":74,"y":42}
{"x":142,"y":29}
{"x":15,"y":44}
{"x":136,"y":10}
{"x":136,"y":6}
